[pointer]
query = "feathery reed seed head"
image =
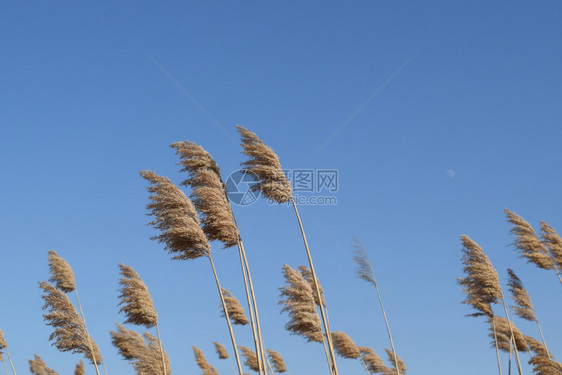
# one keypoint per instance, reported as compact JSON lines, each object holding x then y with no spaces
{"x":69,"y":333}
{"x":277,"y":361}
{"x":3,"y":343}
{"x":364,"y":267}
{"x":61,"y":273}
{"x":251,"y":360}
{"x":221,"y":350}
{"x":553,"y":242}
{"x":307,"y":275}
{"x":481,"y":284}
{"x":503,"y":335}
{"x":209,"y":193}
{"x":176,"y":218}
{"x":299,"y":303}
{"x":38,"y":367}
{"x":263,"y":163}
{"x":527,"y":243}
{"x":235,"y":309}
{"x":135,"y":299}
{"x":399,"y":363}
{"x":80,"y":369}
{"x":344,"y":345}
{"x":373,"y":362}
{"x":523,"y":306}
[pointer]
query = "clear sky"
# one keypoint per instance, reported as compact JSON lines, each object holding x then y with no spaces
{"x":436,"y":115}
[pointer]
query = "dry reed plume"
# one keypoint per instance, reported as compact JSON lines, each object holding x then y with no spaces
{"x":80,"y":369}
{"x":175,"y":216}
{"x":277,"y":361}
{"x":221,"y":350}
{"x":142,"y":351}
{"x":307,"y":274}
{"x":210,"y":198}
{"x":263,"y":163}
{"x":299,"y":303}
{"x":4,"y":346}
{"x":542,"y":360}
{"x":373,"y":362}
{"x":251,"y":360}
{"x":208,"y":194}
{"x":481,"y":284}
{"x":69,"y":334}
{"x":61,"y":273}
{"x":396,"y":361}
{"x":207,"y":368}
{"x":235,"y":309}
{"x":527,"y":243}
{"x":553,"y":242}
{"x":137,"y":304}
{"x":345,"y":346}
{"x":523,"y":306}
{"x":38,"y":367}
{"x":503,"y":333}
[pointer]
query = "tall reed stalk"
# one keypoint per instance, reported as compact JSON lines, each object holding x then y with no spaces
{"x":365,"y":272}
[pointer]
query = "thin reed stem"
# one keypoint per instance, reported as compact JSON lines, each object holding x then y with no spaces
{"x":497,"y":348}
{"x":328,"y":358}
{"x":235,"y":347}
{"x":317,"y":287}
{"x":6,"y":367}
{"x":161,"y":348}
{"x":365,"y":366}
{"x":543,"y":340}
{"x":86,"y":329}
{"x":251,"y":304}
{"x":10,"y":359}
{"x":270,"y":368}
{"x":513,"y":337}
{"x":388,"y":329}
{"x":255,"y":305}
{"x":511,"y":342}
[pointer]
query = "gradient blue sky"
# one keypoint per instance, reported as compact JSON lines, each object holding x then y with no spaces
{"x":85,"y":104}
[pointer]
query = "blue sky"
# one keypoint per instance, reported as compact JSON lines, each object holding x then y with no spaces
{"x":437,"y":116}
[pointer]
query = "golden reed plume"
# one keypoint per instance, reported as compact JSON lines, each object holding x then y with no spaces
{"x":208,"y":193}
{"x":542,"y":360}
{"x":61,"y":273}
{"x":143,"y":351}
{"x":523,"y":306}
{"x":277,"y":361}
{"x":251,"y":360}
{"x":528,"y":243}
{"x":345,"y":346}
{"x":175,"y":216}
{"x":299,"y":303}
{"x":38,"y":367}
{"x":69,"y":334}
{"x":207,"y":368}
{"x":80,"y":369}
{"x":137,"y":304}
{"x":503,"y":334}
{"x":221,"y":350}
{"x":263,"y":163}
{"x":553,"y":242}
{"x":235,"y":309}
{"x":307,"y":274}
{"x":372,"y":362}
{"x":396,"y":361}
